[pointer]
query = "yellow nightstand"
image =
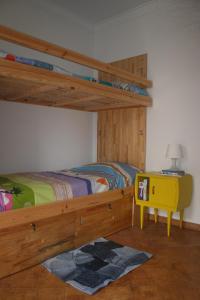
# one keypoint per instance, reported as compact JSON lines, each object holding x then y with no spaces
{"x":167,"y":192}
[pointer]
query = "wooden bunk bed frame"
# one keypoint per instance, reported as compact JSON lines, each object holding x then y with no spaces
{"x":24,"y":83}
{"x":30,"y":235}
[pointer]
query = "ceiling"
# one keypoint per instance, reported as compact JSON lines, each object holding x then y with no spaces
{"x":95,"y":11}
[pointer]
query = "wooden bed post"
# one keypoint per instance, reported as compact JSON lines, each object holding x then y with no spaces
{"x":122,"y":136}
{"x":121,"y":133}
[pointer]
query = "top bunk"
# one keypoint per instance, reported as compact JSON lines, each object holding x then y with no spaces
{"x":25,"y":83}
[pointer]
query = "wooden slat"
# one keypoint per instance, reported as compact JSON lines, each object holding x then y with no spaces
{"x":32,"y":92}
{"x":80,"y":100}
{"x":28,"y":41}
{"x":22,"y":74}
{"x":102,"y":107}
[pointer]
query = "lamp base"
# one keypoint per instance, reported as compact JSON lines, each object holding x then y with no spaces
{"x":174,"y":165}
{"x":174,"y":170}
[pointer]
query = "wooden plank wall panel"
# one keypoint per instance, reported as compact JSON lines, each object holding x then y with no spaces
{"x":122,"y":132}
{"x":121,"y":136}
{"x":136,"y":64}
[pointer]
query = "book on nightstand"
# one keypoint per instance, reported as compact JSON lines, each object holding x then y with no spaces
{"x":173,"y":172}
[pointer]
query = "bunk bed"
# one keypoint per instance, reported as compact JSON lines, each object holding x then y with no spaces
{"x":24,"y":83}
{"x":30,"y":235}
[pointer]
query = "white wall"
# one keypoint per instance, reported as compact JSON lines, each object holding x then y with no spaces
{"x":169,"y":31}
{"x":41,"y":138}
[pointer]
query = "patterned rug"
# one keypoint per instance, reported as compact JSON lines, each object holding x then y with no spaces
{"x":96,"y":264}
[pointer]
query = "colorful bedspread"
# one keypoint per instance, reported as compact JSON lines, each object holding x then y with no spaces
{"x":31,"y":189}
{"x":41,"y":64}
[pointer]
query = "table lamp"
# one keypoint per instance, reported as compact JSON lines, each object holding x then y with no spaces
{"x":174,"y":152}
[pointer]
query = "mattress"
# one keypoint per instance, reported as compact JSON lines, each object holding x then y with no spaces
{"x":31,"y":189}
{"x":44,"y":65}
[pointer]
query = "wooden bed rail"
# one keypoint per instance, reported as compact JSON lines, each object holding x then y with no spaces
{"x":31,"y":215}
{"x":28,"y":41}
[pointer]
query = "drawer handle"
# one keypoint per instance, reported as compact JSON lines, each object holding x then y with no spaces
{"x":109,"y":206}
{"x":153,"y":189}
{"x":33,"y":225}
{"x":81,"y":220}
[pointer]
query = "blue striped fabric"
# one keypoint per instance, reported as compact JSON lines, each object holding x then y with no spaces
{"x":118,"y":175}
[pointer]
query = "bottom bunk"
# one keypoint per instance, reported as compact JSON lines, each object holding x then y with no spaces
{"x":30,"y":235}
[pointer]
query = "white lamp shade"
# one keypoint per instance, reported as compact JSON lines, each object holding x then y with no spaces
{"x":174,"y":151}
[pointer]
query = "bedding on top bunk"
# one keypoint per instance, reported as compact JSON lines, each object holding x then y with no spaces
{"x":37,"y":63}
{"x":31,"y":189}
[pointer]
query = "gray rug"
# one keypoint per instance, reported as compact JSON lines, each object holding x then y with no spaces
{"x":96,"y":264}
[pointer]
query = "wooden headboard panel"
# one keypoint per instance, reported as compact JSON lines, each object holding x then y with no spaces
{"x":122,"y":132}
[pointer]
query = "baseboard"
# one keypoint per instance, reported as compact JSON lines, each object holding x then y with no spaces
{"x":187,"y":225}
